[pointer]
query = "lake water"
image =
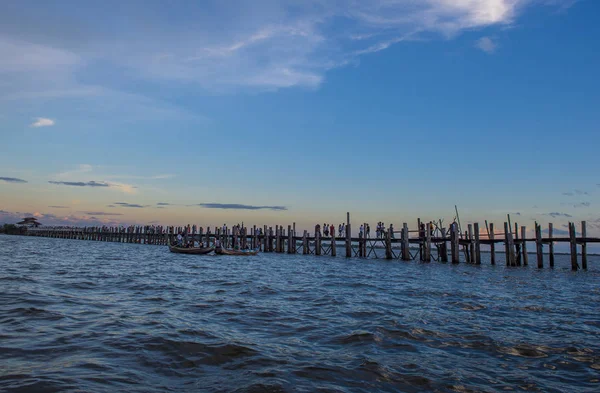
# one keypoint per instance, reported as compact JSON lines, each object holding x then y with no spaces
{"x":105,"y":317}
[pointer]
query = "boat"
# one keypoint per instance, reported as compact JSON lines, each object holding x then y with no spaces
{"x":228,"y":251}
{"x":191,"y":250}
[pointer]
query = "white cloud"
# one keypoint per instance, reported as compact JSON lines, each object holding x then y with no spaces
{"x":486,"y":44}
{"x":257,"y":45}
{"x":42,"y":122}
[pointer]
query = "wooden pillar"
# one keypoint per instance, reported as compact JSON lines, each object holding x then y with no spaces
{"x":510,"y":249}
{"x":364,"y":249}
{"x":524,"y":245}
{"x":348,"y":236}
{"x":573,"y":242}
{"x":405,"y":243}
{"x":290,"y":248}
{"x":539,"y":248}
{"x":333,"y":250}
{"x":388,"y":245}
{"x":444,"y":248}
{"x":427,"y":247}
{"x":294,"y":247}
{"x":305,"y":243}
{"x":270,"y":239}
{"x":265,"y":242}
{"x":517,"y":245}
{"x":492,"y":245}
{"x":583,"y":246}
{"x":317,"y":242}
{"x":471,"y":244}
{"x":550,"y":245}
{"x":477,"y":244}
{"x":360,"y":244}
{"x":454,"y":245}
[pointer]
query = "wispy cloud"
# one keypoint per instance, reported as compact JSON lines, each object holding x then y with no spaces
{"x":163,"y":204}
{"x":237,"y":206}
{"x":255,"y":45}
{"x":125,"y":204}
{"x":582,"y":204}
{"x":12,"y":180}
{"x":575,"y":192}
{"x":59,"y":207}
{"x":557,"y":214}
{"x":102,"y":214}
{"x":79,"y":170}
{"x":42,"y":122}
{"x":486,"y":44}
{"x":80,"y":183}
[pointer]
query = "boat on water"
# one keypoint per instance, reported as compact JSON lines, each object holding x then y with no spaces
{"x":191,"y":250}
{"x":228,"y":251}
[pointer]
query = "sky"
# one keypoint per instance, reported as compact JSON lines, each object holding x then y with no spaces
{"x":273,"y":112}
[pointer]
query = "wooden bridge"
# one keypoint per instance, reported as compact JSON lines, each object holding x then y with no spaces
{"x":430,"y":242}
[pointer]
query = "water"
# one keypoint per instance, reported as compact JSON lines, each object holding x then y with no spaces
{"x":106,"y":317}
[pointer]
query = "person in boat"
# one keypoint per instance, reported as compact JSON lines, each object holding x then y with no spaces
{"x":217,"y":244}
{"x":179,"y":240}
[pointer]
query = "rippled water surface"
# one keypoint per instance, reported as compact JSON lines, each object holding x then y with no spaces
{"x":106,"y":317}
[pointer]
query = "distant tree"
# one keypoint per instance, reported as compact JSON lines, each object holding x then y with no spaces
{"x":12,"y":229}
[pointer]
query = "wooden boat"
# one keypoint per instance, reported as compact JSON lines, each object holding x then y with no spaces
{"x":191,"y":250}
{"x":226,"y":251}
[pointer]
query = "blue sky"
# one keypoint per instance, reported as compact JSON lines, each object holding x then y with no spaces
{"x":391,"y":110}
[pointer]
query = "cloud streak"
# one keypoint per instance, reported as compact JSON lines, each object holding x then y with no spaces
{"x":557,"y":214}
{"x":237,"y":206}
{"x":125,"y":204}
{"x":12,"y":180}
{"x":102,"y":214}
{"x":59,"y":207}
{"x":80,"y":183}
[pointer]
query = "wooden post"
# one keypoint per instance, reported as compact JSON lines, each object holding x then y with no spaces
{"x":333,"y":251}
{"x":573,"y":241}
{"x":492,"y":245}
{"x":583,"y":246}
{"x":404,"y":243}
{"x":348,"y":237}
{"x":539,"y":246}
{"x":428,"y":243}
{"x":305,"y":243}
{"x":388,"y":245}
{"x":477,"y":244}
{"x":290,"y":248}
{"x":454,"y":245}
{"x":471,"y":244}
{"x":444,"y":248}
{"x":317,"y":242}
{"x":551,"y":245}
{"x":517,"y":245}
{"x":509,"y":246}
{"x":360,"y":244}
{"x":524,"y":245}
{"x":294,"y":247}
